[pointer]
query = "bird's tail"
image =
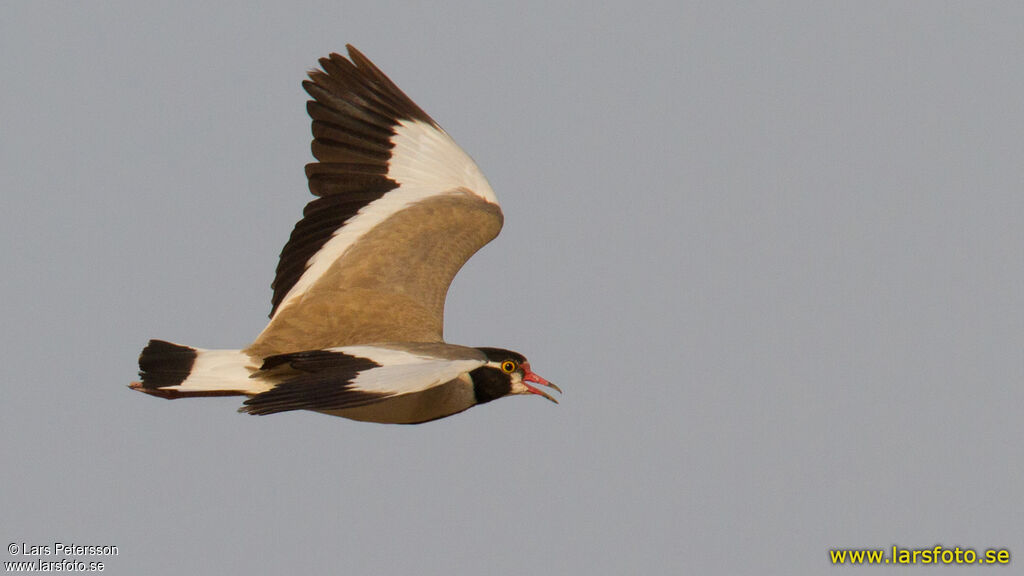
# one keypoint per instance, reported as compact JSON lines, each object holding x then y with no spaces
{"x":174,"y":371}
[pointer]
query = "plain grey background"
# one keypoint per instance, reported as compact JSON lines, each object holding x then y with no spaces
{"x":772,"y":253}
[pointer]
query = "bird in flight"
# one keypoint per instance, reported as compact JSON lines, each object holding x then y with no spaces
{"x":356,"y":324}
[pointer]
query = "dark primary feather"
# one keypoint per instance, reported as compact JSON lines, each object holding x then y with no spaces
{"x":355,"y":110}
{"x":322,"y":382}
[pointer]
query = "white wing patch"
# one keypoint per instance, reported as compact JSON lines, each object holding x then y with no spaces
{"x":403,"y":372}
{"x":426,"y":157}
{"x":425,"y":162}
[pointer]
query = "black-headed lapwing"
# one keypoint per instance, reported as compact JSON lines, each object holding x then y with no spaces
{"x":358,"y":300}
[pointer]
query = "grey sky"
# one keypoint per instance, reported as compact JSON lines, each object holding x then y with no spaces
{"x":773,"y":255}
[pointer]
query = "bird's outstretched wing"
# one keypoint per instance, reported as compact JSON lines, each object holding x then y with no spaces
{"x":400,"y":209}
{"x":355,"y":376}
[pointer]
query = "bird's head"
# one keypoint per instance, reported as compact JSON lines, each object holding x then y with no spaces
{"x":507,"y":372}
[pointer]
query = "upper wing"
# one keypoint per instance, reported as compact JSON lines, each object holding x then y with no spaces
{"x":353,"y":376}
{"x":401,"y":208}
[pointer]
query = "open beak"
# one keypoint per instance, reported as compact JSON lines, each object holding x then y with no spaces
{"x":530,"y":376}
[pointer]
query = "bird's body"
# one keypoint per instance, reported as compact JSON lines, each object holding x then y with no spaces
{"x":356,"y":328}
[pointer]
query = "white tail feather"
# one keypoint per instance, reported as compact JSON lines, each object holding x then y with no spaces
{"x":174,"y":371}
{"x":222,"y":370}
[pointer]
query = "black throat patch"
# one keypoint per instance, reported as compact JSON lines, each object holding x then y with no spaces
{"x":489,"y":384}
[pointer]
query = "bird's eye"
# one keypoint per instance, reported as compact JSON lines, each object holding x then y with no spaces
{"x":508,"y":366}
